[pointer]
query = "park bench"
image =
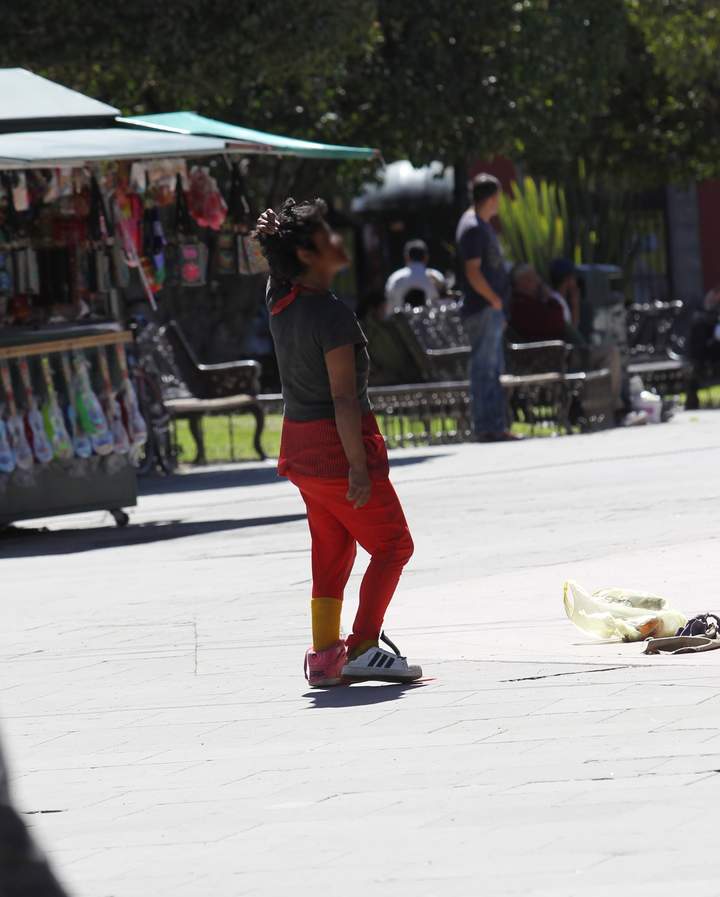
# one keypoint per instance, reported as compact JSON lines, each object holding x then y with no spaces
{"x":540,"y":390}
{"x":193,"y":390}
{"x":655,"y":348}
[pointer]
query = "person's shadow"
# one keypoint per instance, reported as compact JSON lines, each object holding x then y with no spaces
{"x":361,"y":695}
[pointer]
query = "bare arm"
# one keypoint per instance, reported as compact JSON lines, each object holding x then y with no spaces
{"x":478,"y":282}
{"x":340,"y":364}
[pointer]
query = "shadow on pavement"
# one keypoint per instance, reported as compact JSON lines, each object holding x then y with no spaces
{"x":360,"y":695}
{"x":20,"y":542}
{"x":199,"y":480}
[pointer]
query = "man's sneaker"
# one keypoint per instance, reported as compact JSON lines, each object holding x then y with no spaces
{"x":324,"y":668}
{"x":381,"y":665}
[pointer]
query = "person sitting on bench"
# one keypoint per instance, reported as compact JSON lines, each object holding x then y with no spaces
{"x":703,"y":343}
{"x":535,"y":316}
{"x":415,"y":284}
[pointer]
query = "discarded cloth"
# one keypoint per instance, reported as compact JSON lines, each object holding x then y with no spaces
{"x":702,"y":633}
{"x":621,"y":613}
{"x":681,"y":644}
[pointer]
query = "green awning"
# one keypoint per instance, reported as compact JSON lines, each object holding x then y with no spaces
{"x":247,"y":140}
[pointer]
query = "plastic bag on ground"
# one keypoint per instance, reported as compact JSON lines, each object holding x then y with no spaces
{"x":624,"y":614}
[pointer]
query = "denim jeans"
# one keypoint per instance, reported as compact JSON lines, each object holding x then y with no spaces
{"x":487,"y":362}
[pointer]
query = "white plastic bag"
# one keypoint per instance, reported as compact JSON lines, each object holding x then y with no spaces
{"x":621,"y":613}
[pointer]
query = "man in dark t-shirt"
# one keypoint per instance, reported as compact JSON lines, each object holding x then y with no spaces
{"x":486,"y":293}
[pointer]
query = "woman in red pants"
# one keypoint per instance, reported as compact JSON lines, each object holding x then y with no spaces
{"x":331,"y":448}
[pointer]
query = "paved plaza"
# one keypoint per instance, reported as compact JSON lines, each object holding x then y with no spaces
{"x":163,"y":741}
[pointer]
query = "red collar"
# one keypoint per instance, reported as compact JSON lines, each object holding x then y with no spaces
{"x":290,"y":297}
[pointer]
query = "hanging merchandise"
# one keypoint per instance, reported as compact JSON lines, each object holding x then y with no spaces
{"x":132,"y":416}
{"x":193,"y":261}
{"x":15,"y":424}
{"x":161,"y":175}
{"x":121,"y":442}
{"x":205,"y":201}
{"x":129,"y":219}
{"x":90,"y":413}
{"x":225,"y":253}
{"x":11,"y":221}
{"x":42,"y":449}
{"x":192,"y":255}
{"x":7,"y":455}
{"x":240,"y":209}
{"x":82,"y":445}
{"x":53,"y":417}
{"x":250,"y":257}
{"x":20,"y":192}
{"x":100,"y":224}
{"x":154,"y":248}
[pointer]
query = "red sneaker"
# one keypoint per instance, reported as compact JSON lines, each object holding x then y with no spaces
{"x":324,"y":668}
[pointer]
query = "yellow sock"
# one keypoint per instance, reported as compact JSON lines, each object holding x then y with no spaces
{"x":325,"y":622}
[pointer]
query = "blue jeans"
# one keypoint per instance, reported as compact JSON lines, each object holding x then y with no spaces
{"x":487,"y":362}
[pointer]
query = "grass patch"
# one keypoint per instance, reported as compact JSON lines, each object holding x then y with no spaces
{"x":230,"y":437}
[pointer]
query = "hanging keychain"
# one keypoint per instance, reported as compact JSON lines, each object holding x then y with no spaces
{"x":42,"y":449}
{"x":90,"y":412}
{"x":121,"y":442}
{"x":82,"y":445}
{"x":136,"y":426}
{"x":15,"y":425}
{"x":53,"y":416}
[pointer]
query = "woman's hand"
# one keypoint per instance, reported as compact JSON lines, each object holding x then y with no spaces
{"x":267,"y":223}
{"x":359,"y":487}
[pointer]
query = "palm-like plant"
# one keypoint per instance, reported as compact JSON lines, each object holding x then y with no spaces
{"x":535,"y":223}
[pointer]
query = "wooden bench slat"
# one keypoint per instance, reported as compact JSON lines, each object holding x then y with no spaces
{"x":178,"y":407}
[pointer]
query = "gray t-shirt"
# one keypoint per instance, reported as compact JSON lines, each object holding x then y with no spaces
{"x":303,"y":332}
{"x":476,"y":239}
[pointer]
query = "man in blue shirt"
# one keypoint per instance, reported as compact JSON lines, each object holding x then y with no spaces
{"x":486,"y":289}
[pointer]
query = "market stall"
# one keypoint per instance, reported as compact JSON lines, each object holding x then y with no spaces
{"x":97,"y":211}
{"x":76,"y":204}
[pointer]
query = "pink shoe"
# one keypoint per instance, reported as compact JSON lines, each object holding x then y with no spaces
{"x":324,"y":668}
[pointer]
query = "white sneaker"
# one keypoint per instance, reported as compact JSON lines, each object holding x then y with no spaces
{"x":381,"y":665}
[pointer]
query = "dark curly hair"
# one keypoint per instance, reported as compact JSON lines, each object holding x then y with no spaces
{"x":298,"y":222}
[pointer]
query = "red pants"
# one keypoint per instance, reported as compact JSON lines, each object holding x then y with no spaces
{"x":336,"y":528}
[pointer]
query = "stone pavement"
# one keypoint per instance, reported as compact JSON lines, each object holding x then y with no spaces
{"x":163,"y":740}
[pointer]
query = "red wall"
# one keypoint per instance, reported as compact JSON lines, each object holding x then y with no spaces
{"x":709,"y":213}
{"x":502,"y":168}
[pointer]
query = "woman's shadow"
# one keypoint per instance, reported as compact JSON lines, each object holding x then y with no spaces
{"x":361,"y":695}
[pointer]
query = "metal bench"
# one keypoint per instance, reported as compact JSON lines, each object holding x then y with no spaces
{"x":192,"y":389}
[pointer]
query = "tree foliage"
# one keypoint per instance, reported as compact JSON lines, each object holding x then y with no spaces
{"x":628,"y":85}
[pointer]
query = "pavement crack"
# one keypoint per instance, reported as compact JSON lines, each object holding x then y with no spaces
{"x":569,"y":673}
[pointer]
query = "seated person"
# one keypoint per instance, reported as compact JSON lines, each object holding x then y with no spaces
{"x":703,"y":343}
{"x":414,"y":277}
{"x":565,"y":289}
{"x":704,"y":339}
{"x":535,"y":316}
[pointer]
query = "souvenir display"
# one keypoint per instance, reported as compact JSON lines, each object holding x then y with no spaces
{"x":15,"y":425}
{"x":132,"y":416}
{"x":121,"y":442}
{"x":7,"y":456}
{"x":76,"y":246}
{"x":82,"y":446}
{"x":53,"y":417}
{"x":90,"y":412}
{"x":42,"y":449}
